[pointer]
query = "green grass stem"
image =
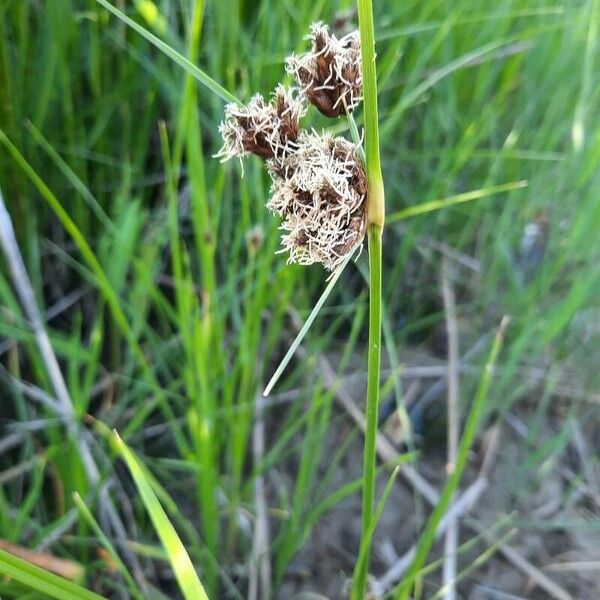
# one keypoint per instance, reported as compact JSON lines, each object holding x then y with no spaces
{"x":375,"y":221}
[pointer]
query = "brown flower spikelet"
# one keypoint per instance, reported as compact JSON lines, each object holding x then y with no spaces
{"x":261,"y":128}
{"x":330,"y":75}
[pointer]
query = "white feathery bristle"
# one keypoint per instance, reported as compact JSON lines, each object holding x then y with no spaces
{"x":317,"y":200}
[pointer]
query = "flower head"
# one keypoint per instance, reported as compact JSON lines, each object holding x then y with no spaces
{"x":319,"y":186}
{"x":262,"y":128}
{"x":330,"y":75}
{"x":320,"y":191}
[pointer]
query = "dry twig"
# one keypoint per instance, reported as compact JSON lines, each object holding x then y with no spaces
{"x":259,"y":585}
{"x":451,"y":541}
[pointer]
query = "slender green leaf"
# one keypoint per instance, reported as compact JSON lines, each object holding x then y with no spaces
{"x":184,"y":570}
{"x":175,"y":56}
{"x":367,"y":538}
{"x":313,"y":315}
{"x":432,"y":205}
{"x":87,"y":515}
{"x":43,"y":581}
{"x":428,"y":536}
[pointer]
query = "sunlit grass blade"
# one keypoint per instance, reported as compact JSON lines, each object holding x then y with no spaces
{"x":313,"y":315}
{"x":427,"y":538}
{"x":43,"y":581}
{"x":175,"y":56}
{"x":184,"y":570}
{"x":365,"y":545}
{"x":432,"y":205}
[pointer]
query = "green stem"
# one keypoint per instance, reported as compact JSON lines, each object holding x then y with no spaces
{"x":372,"y":410}
{"x":375,"y":222}
{"x":376,"y":196}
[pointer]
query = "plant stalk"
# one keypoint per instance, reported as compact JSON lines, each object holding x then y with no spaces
{"x":376,"y":195}
{"x":375,"y":223}
{"x":372,"y":407}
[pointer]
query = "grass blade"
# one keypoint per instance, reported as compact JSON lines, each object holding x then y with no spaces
{"x":102,"y":280}
{"x":365,"y":545}
{"x":436,"y":76}
{"x":313,"y":315}
{"x":432,"y":205}
{"x":91,"y":521}
{"x":183,"y":62}
{"x":184,"y":570}
{"x":71,"y":176}
{"x":43,"y":581}
{"x":477,"y":563}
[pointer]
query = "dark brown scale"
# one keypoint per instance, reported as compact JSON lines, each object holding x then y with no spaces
{"x":358,"y":226}
{"x":258,"y":146}
{"x":320,"y":41}
{"x":324,"y":102}
{"x":289,"y":130}
{"x":350,"y":73}
{"x":253,"y":142}
{"x":289,"y":127}
{"x":301,"y":239}
{"x":330,"y":196}
{"x":323,"y":66}
{"x":327,"y":100}
{"x":359,"y":180}
{"x":303,"y":204}
{"x":257,"y":142}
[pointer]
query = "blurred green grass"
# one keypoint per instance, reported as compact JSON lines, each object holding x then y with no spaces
{"x":174,"y":315}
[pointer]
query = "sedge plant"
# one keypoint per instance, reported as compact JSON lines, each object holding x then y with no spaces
{"x":327,"y":197}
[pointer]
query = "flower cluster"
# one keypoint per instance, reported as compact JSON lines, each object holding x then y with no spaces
{"x":320,"y":192}
{"x":330,"y":75}
{"x":319,"y":185}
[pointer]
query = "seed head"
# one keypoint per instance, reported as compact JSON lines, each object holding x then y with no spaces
{"x":319,"y":185}
{"x":320,"y":191}
{"x":261,"y":128}
{"x":330,"y":75}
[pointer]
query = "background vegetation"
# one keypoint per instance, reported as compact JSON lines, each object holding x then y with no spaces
{"x":168,"y":308}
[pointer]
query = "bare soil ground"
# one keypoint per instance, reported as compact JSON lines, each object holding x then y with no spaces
{"x":541,"y":504}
